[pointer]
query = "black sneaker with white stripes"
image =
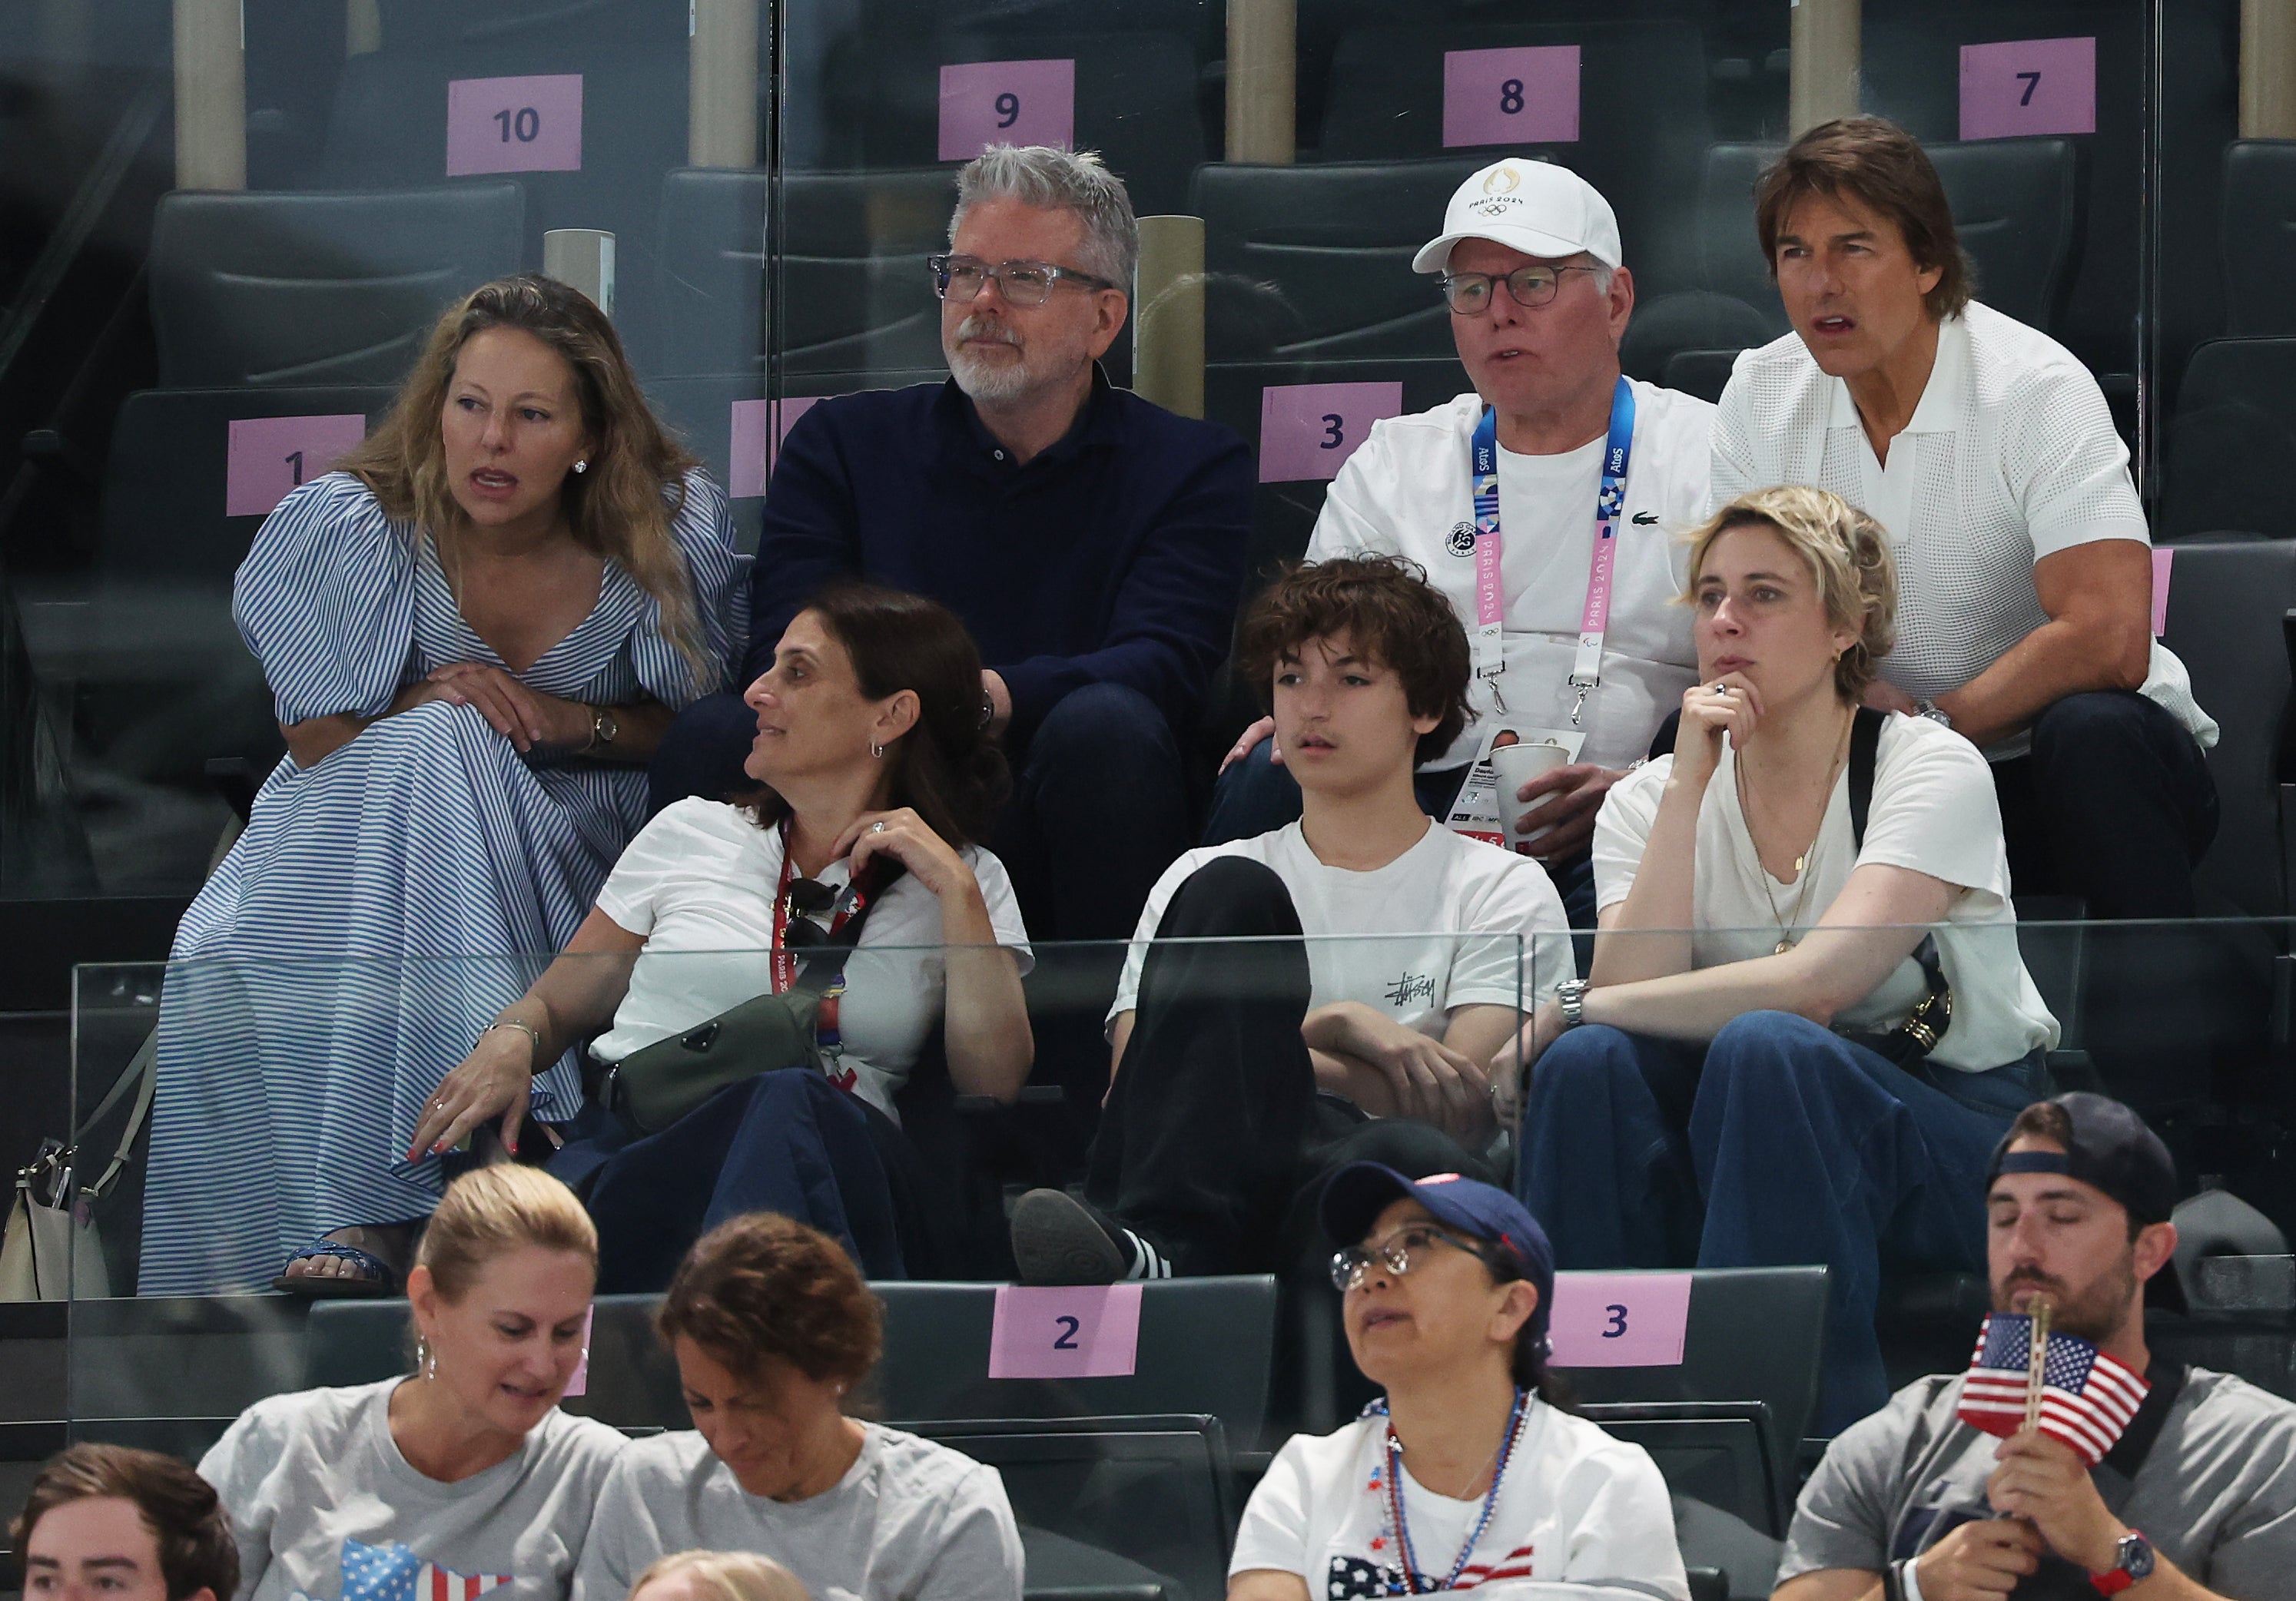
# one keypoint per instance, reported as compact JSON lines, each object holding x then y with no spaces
{"x":1059,"y":1239}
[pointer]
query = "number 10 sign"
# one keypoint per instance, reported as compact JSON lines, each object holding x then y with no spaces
{"x":515,"y":124}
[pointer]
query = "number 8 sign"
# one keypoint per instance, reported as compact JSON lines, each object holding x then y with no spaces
{"x":1005,"y":102}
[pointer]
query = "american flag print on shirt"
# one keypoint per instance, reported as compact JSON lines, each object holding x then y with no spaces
{"x":2086,"y":1398}
{"x":396,"y":1574}
{"x":1353,"y":1579}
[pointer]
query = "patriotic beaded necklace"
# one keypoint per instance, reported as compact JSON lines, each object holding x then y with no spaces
{"x":1411,"y":1581}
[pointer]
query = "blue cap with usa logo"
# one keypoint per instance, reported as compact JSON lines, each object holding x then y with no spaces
{"x":1354,"y":1196}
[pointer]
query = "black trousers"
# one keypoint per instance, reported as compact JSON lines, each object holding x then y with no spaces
{"x":1215,"y":1143}
{"x":2115,"y":804}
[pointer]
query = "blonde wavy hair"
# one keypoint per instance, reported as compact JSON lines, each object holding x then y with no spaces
{"x":1849,"y":556}
{"x":728,"y":1576}
{"x":620,"y":508}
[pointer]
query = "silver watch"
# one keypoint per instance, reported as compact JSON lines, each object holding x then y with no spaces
{"x":1926,"y":707}
{"x":1570,"y":994}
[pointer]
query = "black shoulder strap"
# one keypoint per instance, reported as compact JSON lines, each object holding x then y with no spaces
{"x":821,"y":966}
{"x":1865,"y":751}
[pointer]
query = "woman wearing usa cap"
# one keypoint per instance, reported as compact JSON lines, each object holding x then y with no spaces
{"x":1470,"y":1472}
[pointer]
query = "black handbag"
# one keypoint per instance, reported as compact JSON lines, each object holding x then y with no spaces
{"x":655,"y":1085}
{"x":1911,"y":1040}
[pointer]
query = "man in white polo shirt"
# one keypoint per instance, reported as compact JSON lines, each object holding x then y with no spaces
{"x":2024,"y":565}
{"x":1577,"y":638}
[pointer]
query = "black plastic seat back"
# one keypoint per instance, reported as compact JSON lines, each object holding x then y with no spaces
{"x":318,"y":288}
{"x":2017,"y":204}
{"x":2260,"y":236}
{"x":1643,"y":125}
{"x":418,"y":24}
{"x":1313,"y":263}
{"x":164,"y":508}
{"x":1756,"y":1334}
{"x":2234,"y":429}
{"x":1716,"y":1452}
{"x":711,"y":293}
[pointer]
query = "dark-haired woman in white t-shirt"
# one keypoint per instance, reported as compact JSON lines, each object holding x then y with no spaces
{"x":1768,"y":1071}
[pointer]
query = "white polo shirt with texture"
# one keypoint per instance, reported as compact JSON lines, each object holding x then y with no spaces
{"x":1408,"y":491}
{"x":2010,"y":456}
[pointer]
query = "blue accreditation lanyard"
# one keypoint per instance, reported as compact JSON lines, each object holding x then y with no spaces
{"x":1490,"y":547}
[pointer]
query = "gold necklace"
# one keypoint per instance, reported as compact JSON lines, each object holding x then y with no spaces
{"x":1801,"y":862}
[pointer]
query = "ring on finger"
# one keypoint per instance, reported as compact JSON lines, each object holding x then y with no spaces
{"x":878,"y":827}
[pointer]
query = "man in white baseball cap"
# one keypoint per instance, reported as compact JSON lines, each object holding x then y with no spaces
{"x":1545,"y":504}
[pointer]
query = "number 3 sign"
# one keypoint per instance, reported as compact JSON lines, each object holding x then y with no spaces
{"x":1620,"y":1319}
{"x":1305,"y":430}
{"x":515,"y":124}
{"x":1005,"y":102}
{"x":1085,"y":1331}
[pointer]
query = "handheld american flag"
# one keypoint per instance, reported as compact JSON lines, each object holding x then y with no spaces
{"x":2086,"y":1398}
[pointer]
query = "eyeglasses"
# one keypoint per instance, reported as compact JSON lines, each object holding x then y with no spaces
{"x":1400,"y":1251}
{"x":959,"y":278}
{"x":1530,"y":286}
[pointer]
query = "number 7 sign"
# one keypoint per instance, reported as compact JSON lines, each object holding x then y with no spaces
{"x":2028,"y":87}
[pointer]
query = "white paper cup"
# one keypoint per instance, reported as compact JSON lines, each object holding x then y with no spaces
{"x":1516,"y":766}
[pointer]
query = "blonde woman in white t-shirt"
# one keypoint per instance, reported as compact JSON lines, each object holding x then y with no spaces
{"x":1762,"y":1068}
{"x":1471,"y":1470}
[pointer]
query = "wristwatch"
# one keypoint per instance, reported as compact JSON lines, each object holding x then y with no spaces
{"x":1926,"y":707}
{"x":2132,"y":1561}
{"x":1570,"y":994}
{"x":604,"y":729}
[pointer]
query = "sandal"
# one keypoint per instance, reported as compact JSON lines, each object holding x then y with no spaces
{"x":377,"y":1278}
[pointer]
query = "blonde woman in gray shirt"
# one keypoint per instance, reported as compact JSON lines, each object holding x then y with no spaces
{"x":464,"y":1478}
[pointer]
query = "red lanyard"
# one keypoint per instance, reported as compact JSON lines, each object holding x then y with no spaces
{"x":784,"y":960}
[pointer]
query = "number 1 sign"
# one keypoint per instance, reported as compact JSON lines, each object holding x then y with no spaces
{"x":2028,"y":87}
{"x":515,"y":124}
{"x":1005,"y":102}
{"x":268,"y":457}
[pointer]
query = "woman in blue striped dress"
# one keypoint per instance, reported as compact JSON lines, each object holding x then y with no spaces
{"x":475,"y":630}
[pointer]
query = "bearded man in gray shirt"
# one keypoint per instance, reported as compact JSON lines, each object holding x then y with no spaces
{"x":2197,"y":1499}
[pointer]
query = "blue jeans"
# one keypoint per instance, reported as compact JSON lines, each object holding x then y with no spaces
{"x":1779,"y":1142}
{"x":1257,"y":797}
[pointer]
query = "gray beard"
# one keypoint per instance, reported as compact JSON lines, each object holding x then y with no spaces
{"x":985,"y":380}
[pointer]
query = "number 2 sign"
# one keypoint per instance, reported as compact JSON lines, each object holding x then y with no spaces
{"x":1005,"y":102}
{"x":2028,"y":87}
{"x":1085,"y":1331}
{"x":515,"y":124}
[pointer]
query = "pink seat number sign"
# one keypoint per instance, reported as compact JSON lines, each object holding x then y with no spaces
{"x":2028,"y":87}
{"x":1085,"y":1331}
{"x":758,"y":435}
{"x":1005,"y":102}
{"x":515,"y":124}
{"x":1620,"y":1319}
{"x":2163,"y":562}
{"x":1306,"y":430}
{"x":1525,"y":95}
{"x":579,"y":1384}
{"x":266,"y":457}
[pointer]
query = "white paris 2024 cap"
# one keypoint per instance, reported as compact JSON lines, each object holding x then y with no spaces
{"x":1534,"y":206}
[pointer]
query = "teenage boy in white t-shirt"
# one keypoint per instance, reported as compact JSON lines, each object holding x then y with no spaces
{"x":2024,"y":565}
{"x":1393,"y":958}
{"x":1531,"y":266}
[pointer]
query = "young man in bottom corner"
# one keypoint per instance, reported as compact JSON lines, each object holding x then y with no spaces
{"x":104,"y":1523}
{"x":1386,"y":960}
{"x":2195,"y":1501}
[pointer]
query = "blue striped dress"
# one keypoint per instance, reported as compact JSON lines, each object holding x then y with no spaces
{"x":385,"y":905}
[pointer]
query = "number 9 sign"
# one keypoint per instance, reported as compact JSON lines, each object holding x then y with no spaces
{"x":1005,"y":102}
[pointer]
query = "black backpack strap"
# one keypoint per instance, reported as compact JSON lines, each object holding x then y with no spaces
{"x":1865,"y":753}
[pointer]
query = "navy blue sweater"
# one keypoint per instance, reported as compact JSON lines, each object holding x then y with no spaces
{"x":1116,"y":556}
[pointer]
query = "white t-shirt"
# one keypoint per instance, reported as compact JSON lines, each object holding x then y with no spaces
{"x":2010,"y":456}
{"x":910,"y":1521}
{"x":699,"y":883}
{"x":1577,"y":1508}
{"x":1450,"y":922}
{"x":326,"y":1508}
{"x":1408,"y":491}
{"x":1934,"y":810}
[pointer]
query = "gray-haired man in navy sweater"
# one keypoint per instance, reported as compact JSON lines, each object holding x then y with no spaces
{"x":1092,"y":542}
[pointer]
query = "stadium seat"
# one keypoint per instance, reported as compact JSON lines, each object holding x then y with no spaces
{"x":258,"y":289}
{"x":2260,"y":236}
{"x":418,"y":24}
{"x":1385,"y":101}
{"x":1139,"y":101}
{"x":2233,"y":433}
{"x":855,"y":302}
{"x":1204,"y":1347}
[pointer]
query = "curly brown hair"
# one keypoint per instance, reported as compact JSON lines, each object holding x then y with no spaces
{"x":764,"y":1287}
{"x":1386,"y":610}
{"x":197,"y":1551}
{"x":1884,"y":169}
